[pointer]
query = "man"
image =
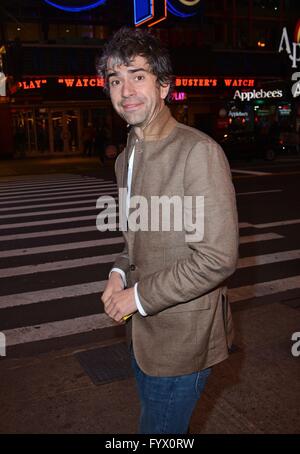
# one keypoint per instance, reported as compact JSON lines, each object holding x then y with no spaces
{"x":170,"y":280}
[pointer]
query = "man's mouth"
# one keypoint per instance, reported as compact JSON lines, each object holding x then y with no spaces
{"x":130,"y":107}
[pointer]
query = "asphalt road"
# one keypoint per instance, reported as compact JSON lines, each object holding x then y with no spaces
{"x":54,"y":262}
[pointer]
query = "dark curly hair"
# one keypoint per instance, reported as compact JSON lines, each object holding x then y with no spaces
{"x":127,"y":44}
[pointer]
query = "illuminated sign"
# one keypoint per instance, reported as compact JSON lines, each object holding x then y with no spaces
{"x":178,"y":96}
{"x":212,"y":82}
{"x":291,"y":48}
{"x":73,"y":8}
{"x":145,"y":11}
{"x":82,"y":82}
{"x":149,"y":11}
{"x":296,"y":85}
{"x":260,"y":94}
{"x":31,"y":84}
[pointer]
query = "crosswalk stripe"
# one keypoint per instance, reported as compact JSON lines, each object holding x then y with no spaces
{"x":90,"y":192}
{"x":245,"y":262}
{"x":47,"y":212}
{"x":57,"y":293}
{"x":276,"y":224}
{"x":250,"y":172}
{"x":46,"y":205}
{"x":259,"y":192}
{"x":58,"y":329}
{"x":45,"y":233}
{"x":263,"y":288}
{"x":35,"y":179}
{"x":89,"y":323}
{"x":49,"y":222}
{"x":55,"y":266}
{"x":57,"y":187}
{"x":260,"y":237}
{"x":60,"y":247}
{"x":55,"y":191}
{"x":58,"y":183}
{"x":264,"y":259}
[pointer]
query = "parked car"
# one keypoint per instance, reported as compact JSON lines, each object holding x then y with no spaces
{"x":248,"y":145}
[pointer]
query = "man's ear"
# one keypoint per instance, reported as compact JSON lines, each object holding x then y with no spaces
{"x":164,"y":90}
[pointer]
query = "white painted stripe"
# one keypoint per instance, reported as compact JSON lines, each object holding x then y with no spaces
{"x":54,"y":330}
{"x":57,"y":293}
{"x":55,"y":187}
{"x":92,"y":322}
{"x":55,"y":191}
{"x":251,"y":172}
{"x":60,"y":247}
{"x":31,"y":179}
{"x":260,"y":237}
{"x":263,"y":289}
{"x":258,"y":192}
{"x":47,"y":212}
{"x":49,"y":222}
{"x":46,"y":205}
{"x":55,"y":266}
{"x":264,"y":259}
{"x":52,"y":183}
{"x":277,"y":223}
{"x":90,"y":192}
{"x":45,"y":233}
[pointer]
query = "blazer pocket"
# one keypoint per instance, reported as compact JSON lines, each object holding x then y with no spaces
{"x":198,"y":304}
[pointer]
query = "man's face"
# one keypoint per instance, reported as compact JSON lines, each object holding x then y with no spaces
{"x":135,"y":92}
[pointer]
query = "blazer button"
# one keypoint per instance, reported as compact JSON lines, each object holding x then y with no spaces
{"x":132,"y":267}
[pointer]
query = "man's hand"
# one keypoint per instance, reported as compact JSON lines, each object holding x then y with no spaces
{"x":120,"y":304}
{"x":114,"y":284}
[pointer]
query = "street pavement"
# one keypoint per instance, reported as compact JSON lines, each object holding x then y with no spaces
{"x":54,"y":264}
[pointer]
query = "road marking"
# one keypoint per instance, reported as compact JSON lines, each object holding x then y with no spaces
{"x":57,"y":293}
{"x":46,"y":205}
{"x":61,"y":247}
{"x":263,"y":289}
{"x":62,"y":328}
{"x":42,"y":198}
{"x":57,"y":182}
{"x":251,"y":172}
{"x":56,"y":187}
{"x":55,"y":191}
{"x":64,"y":210}
{"x":93,"y":322}
{"x":45,"y":233}
{"x":277,"y":223}
{"x":55,"y":266}
{"x":259,"y":192}
{"x":264,"y":259}
{"x":50,"y":221}
{"x":260,"y":237}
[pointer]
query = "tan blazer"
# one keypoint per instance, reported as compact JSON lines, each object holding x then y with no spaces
{"x":180,"y":284}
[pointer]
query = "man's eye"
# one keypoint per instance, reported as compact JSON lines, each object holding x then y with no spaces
{"x":140,"y":77}
{"x":114,"y":82}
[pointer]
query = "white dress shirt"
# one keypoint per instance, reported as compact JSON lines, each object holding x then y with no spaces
{"x":118,"y":270}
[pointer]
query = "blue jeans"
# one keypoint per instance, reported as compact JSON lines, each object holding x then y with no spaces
{"x":167,"y":403}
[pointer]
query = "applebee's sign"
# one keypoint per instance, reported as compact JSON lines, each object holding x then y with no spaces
{"x":293,"y":50}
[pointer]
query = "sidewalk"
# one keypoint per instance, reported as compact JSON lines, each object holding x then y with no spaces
{"x":255,"y":391}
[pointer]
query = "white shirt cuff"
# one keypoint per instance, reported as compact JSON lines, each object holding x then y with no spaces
{"x":121,"y":272}
{"x":137,"y":301}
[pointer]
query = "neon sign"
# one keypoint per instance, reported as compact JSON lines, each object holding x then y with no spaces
{"x":145,"y":11}
{"x":76,"y":9}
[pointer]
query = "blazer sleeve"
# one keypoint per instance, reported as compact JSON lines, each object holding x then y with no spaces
{"x":214,"y":257}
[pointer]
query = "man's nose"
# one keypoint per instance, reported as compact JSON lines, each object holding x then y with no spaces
{"x":127,"y":88}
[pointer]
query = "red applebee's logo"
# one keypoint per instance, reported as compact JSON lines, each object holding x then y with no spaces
{"x":297,"y":32}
